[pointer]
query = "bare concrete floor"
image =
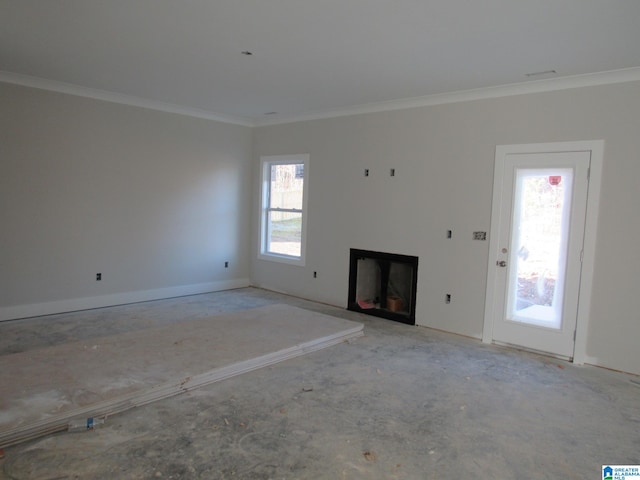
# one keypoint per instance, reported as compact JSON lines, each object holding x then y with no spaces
{"x":401,"y":402}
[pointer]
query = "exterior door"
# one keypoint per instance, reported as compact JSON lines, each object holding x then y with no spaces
{"x":537,"y":247}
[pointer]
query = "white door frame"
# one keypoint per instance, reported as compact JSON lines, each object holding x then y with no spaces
{"x":596,"y":147}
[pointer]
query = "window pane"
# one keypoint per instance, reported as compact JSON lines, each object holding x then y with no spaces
{"x":285,"y":233}
{"x":286,"y":186}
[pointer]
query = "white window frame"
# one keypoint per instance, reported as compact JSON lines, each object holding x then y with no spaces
{"x":265,"y":181}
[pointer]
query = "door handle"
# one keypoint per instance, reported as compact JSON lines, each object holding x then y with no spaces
{"x":501,"y":263}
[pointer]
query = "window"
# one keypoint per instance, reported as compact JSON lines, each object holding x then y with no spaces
{"x":283,"y":209}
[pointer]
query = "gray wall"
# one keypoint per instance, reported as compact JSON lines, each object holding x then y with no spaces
{"x":444,"y":156}
{"x":157,"y":202}
{"x":154,"y":201}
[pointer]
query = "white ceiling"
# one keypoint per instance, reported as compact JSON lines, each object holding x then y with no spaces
{"x":310,"y":56}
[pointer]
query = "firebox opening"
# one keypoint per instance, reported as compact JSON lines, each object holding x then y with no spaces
{"x":383,"y":284}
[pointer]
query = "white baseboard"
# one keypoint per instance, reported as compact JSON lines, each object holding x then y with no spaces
{"x":86,"y":303}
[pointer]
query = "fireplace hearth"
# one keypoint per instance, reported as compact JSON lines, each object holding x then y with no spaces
{"x":383,"y":284}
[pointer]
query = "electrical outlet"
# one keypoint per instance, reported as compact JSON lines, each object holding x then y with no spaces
{"x":449,"y":233}
{"x":98,"y":277}
{"x":366,"y":172}
{"x":479,"y":235}
{"x":226,"y":264}
{"x":315,"y":274}
{"x":447,"y":298}
{"x":392,"y":172}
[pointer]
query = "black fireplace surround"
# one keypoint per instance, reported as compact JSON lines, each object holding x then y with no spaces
{"x":383,"y":284}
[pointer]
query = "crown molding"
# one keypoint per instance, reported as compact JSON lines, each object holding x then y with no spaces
{"x":523,"y":88}
{"x":537,"y":86}
{"x":72,"y":89}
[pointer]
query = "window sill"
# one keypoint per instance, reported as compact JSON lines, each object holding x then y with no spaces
{"x":286,"y":259}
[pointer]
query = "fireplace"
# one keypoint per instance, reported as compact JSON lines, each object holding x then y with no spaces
{"x":383,"y":284}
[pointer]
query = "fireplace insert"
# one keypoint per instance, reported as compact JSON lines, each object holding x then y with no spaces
{"x":383,"y":284}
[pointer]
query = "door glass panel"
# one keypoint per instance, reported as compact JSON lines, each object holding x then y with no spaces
{"x":538,"y":247}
